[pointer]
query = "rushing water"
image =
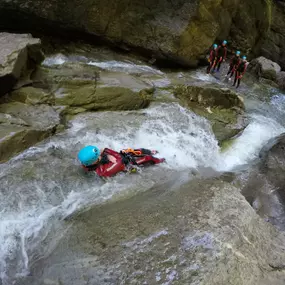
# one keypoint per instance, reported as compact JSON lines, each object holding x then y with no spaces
{"x":44,"y":184}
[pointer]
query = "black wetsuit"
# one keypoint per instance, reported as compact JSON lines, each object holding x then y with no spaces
{"x":240,"y":71}
{"x":235,"y":61}
{"x":221,"y":54}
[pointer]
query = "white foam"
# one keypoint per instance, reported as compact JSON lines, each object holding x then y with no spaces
{"x":58,"y":59}
{"x":278,"y":101}
{"x":183,"y":138}
{"x":203,"y":76}
{"x":246,"y":148}
{"x":124,"y":66}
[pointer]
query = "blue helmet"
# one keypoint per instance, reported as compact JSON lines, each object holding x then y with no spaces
{"x":225,"y":42}
{"x":244,"y":57}
{"x":88,"y":155}
{"x":215,"y":46}
{"x":238,"y":52}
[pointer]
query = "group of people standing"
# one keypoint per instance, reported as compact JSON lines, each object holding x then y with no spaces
{"x":237,"y":66}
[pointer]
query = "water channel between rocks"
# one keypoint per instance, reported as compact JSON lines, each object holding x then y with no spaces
{"x":44,"y":241}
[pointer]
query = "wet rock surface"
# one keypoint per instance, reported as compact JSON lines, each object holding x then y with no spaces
{"x":223,"y":107}
{"x":79,"y":88}
{"x":22,"y":126}
{"x":264,"y":186}
{"x":204,"y":232}
{"x":273,"y":163}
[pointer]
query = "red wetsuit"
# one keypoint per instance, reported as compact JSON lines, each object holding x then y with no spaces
{"x":221,"y":54}
{"x":113,"y":162}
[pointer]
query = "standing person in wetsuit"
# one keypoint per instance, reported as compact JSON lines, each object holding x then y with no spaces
{"x":240,"y":71}
{"x":108,"y":162}
{"x":221,"y":54}
{"x":235,"y":61}
{"x":212,"y":58}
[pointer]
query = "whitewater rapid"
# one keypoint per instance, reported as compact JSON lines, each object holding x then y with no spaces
{"x":44,"y":185}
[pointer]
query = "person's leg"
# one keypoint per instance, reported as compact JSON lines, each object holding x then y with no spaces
{"x":230,"y":70}
{"x":236,"y":76}
{"x":209,"y":67}
{"x":219,"y":64}
{"x":215,"y":64}
{"x":144,"y":151}
{"x":149,"y":159}
{"x":238,"y":82}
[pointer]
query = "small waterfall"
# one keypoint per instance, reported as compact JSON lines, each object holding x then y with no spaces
{"x":44,"y":184}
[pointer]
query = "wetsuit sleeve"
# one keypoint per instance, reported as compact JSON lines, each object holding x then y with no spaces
{"x":225,"y":53}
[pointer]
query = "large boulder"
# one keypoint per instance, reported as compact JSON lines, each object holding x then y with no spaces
{"x":263,"y":67}
{"x":19,"y":53}
{"x":223,"y":107}
{"x":79,"y":88}
{"x":204,"y":233}
{"x":265,"y":183}
{"x":179,"y":31}
{"x":273,"y":164}
{"x":22,"y":126}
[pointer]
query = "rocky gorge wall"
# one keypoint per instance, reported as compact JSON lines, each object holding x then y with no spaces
{"x":179,"y":31}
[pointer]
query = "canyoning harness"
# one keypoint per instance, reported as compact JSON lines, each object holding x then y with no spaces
{"x":129,"y":154}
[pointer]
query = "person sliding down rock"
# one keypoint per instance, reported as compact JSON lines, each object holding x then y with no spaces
{"x":240,"y":71}
{"x":108,"y":162}
{"x":212,"y":58}
{"x":221,"y":54}
{"x":235,"y":61}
